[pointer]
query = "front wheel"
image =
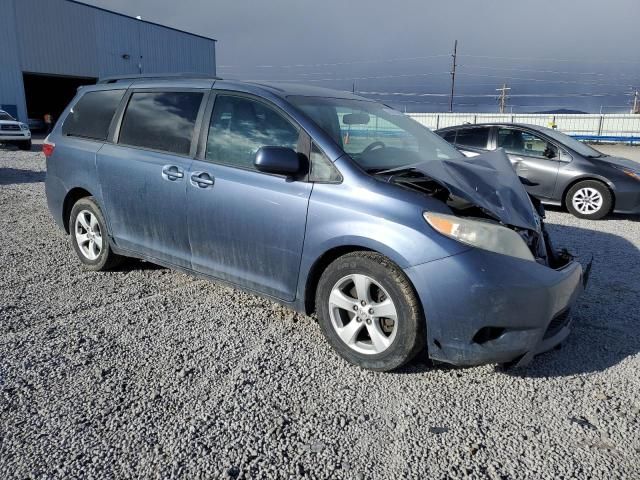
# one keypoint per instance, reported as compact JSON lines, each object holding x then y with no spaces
{"x":589,"y":199}
{"x":369,"y":312}
{"x":26,"y":145}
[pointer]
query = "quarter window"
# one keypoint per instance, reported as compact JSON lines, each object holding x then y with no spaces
{"x":473,"y":137}
{"x":91,"y":116}
{"x":162,"y":121}
{"x":450,"y":136}
{"x":240,"y":126}
{"x":322,"y":169}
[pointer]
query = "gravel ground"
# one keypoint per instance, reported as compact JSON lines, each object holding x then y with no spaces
{"x":144,"y":372}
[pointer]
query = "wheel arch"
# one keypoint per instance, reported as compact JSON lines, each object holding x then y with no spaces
{"x":70,"y":199}
{"x":318,"y":268}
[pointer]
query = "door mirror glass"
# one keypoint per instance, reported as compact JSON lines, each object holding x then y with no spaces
{"x":278,"y":160}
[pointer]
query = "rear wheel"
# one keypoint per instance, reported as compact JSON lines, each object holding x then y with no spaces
{"x":89,"y":236}
{"x":589,"y":199}
{"x":368,"y":311}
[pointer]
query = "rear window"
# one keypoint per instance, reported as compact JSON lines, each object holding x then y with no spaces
{"x":91,"y":116}
{"x":162,"y":121}
{"x":473,"y":137}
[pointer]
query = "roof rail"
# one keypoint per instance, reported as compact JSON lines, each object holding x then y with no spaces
{"x":155,"y":76}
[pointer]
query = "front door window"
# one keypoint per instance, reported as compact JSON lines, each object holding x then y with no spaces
{"x":519,"y":142}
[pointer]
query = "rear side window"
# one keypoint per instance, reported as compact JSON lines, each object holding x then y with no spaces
{"x":473,"y":137}
{"x":162,"y":121}
{"x":91,"y":116}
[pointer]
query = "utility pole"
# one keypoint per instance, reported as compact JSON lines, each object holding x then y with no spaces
{"x":453,"y":74}
{"x":503,"y":96}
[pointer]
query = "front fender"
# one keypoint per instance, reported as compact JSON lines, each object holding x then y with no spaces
{"x":381,"y":217}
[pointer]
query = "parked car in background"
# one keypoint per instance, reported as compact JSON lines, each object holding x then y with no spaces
{"x":556,"y":168}
{"x":319,"y":199}
{"x":36,"y":125}
{"x":13,"y":132}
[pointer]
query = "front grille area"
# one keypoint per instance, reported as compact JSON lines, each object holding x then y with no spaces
{"x":557,"y":323}
{"x":12,"y":128}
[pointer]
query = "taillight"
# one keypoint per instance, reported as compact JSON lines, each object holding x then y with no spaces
{"x":47,"y":148}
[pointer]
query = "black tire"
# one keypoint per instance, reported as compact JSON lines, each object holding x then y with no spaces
{"x":409,"y":336}
{"x":592,"y":185}
{"x":26,"y":145}
{"x":106,"y":259}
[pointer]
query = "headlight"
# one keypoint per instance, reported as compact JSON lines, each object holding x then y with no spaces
{"x":24,"y":127}
{"x":485,"y":235}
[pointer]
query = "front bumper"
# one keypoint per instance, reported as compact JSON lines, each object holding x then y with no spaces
{"x":482,"y":307}
{"x":14,"y":136}
{"x":627,"y":200}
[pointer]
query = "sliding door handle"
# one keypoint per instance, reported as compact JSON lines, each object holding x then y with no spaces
{"x":201,"y":179}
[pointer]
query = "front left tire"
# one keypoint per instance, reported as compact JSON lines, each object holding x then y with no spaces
{"x":369,"y":312}
{"x":89,"y":236}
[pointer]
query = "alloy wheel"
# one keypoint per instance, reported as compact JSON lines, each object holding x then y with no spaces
{"x":88,"y":234}
{"x":363,"y":314}
{"x":587,"y":200}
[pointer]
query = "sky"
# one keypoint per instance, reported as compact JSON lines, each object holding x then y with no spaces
{"x":575,"y":54}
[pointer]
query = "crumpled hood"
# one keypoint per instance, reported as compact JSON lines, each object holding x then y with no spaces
{"x":487,"y":181}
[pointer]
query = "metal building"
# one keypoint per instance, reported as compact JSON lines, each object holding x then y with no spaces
{"x":50,"y":47}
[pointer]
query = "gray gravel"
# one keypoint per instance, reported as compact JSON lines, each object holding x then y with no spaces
{"x":144,"y":372}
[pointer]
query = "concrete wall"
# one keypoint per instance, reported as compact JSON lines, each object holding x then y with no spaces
{"x":62,"y":37}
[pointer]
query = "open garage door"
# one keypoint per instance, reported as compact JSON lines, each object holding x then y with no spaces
{"x":50,"y":94}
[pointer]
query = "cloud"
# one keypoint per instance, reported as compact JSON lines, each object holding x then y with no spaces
{"x":595,"y":36}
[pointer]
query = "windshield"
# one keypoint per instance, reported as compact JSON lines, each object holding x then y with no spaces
{"x":6,"y":116}
{"x":572,"y":143}
{"x":375,"y":136}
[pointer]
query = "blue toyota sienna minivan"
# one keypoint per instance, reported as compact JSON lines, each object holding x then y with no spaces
{"x":322,"y":200}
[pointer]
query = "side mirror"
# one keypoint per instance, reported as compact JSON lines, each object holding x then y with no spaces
{"x":278,"y":160}
{"x":550,"y":152}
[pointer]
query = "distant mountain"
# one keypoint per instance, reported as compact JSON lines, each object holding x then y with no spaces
{"x":561,"y":111}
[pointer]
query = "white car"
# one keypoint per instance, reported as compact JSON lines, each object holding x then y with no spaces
{"x":14,"y":132}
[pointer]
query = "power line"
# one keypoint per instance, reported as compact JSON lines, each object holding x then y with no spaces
{"x":351,"y":78}
{"x":492,"y":95}
{"x":354,"y":62}
{"x":548,"y":71}
{"x":551,"y":59}
{"x":575,"y":82}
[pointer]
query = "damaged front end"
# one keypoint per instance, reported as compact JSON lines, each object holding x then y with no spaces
{"x":484,"y":188}
{"x":508,"y":310}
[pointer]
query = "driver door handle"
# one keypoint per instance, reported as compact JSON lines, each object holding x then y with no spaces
{"x":172,"y":172}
